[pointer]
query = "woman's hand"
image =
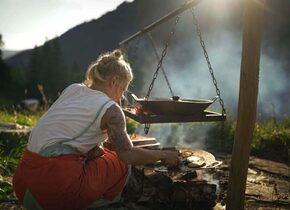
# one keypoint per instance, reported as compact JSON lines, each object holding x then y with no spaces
{"x":95,"y":152}
{"x":107,"y":144}
{"x":170,"y":158}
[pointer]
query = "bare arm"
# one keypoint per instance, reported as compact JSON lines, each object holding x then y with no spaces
{"x":114,"y":121}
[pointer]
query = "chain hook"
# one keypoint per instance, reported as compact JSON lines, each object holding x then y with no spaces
{"x":162,"y":57}
{"x":158,"y":58}
{"x":198,"y":31}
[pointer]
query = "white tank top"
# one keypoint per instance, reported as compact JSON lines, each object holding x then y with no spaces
{"x":69,"y":116}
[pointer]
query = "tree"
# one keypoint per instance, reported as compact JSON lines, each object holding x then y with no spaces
{"x":1,"y":44}
{"x":34,"y":71}
{"x":76,"y":74}
{"x":4,"y":70}
{"x":59,"y":69}
{"x":47,"y":68}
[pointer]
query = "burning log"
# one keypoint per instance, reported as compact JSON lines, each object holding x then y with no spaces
{"x":188,"y":192}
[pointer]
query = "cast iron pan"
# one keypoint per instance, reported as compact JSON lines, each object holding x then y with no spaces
{"x":174,"y":105}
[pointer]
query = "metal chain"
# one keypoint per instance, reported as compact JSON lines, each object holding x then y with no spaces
{"x":198,"y":31}
{"x":162,"y":57}
{"x":158,"y":58}
{"x":146,"y":128}
{"x":147,"y":125}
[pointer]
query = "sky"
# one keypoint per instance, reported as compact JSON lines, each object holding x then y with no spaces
{"x":27,"y":23}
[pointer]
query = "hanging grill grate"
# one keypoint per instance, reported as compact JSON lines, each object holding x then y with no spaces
{"x":160,"y":110}
{"x":205,"y":116}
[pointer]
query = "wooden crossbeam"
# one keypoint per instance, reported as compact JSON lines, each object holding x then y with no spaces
{"x":170,"y":15}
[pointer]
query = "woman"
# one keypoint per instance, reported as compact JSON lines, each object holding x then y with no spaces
{"x":64,"y":165}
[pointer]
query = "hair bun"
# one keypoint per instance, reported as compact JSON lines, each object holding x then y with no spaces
{"x":109,"y":57}
{"x":108,"y":64}
{"x":117,"y":53}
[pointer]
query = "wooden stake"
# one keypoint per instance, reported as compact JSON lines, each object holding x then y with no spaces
{"x":249,"y":81}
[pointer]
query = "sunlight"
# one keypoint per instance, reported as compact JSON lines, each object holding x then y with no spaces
{"x":221,"y":8}
{"x":23,"y":30}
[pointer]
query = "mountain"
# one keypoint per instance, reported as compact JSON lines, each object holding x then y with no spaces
{"x":9,"y":53}
{"x":83,"y":43}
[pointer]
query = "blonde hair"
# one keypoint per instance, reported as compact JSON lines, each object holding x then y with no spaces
{"x":107,"y":65}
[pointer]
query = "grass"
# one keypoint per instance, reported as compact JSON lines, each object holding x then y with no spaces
{"x":11,"y":149}
{"x":12,"y":146}
{"x":271,"y":139}
{"x":131,"y":126}
{"x":22,"y":118}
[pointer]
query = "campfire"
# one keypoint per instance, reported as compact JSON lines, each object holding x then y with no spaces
{"x":189,"y":184}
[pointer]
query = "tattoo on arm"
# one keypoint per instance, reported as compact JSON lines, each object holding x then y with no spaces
{"x":115,"y":123}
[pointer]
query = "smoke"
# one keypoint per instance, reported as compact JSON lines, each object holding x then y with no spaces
{"x":273,"y":84}
{"x":188,"y":73}
{"x":187,"y":69}
{"x":180,"y":134}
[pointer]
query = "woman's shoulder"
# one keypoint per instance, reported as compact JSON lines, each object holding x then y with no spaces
{"x":72,"y":87}
{"x":76,"y":85}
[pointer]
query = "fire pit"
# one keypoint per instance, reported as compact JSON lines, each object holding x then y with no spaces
{"x":188,"y":184}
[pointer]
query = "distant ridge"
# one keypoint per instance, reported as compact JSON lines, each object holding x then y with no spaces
{"x":83,"y":43}
{"x":9,"y":53}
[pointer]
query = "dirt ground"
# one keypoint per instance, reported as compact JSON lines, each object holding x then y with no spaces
{"x":268,"y":184}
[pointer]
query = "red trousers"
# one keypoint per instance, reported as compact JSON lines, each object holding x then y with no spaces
{"x":63,"y":182}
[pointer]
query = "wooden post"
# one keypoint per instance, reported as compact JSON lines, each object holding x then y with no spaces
{"x":249,"y":81}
